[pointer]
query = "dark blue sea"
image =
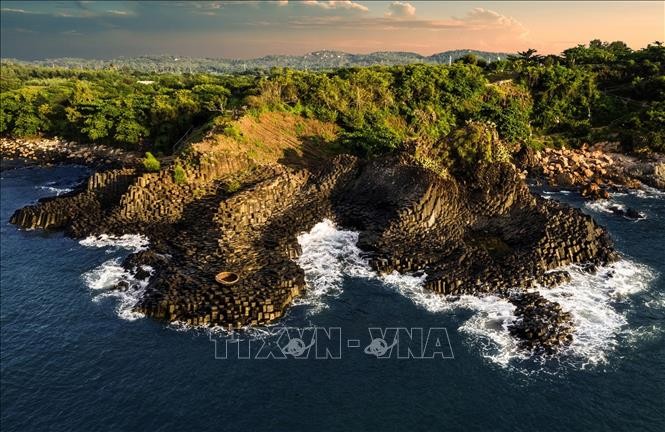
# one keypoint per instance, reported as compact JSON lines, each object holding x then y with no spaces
{"x":75,"y":358}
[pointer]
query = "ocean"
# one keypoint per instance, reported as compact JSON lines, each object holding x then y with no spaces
{"x":360,"y":351}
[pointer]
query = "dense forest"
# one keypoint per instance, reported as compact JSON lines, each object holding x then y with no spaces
{"x":589,"y":93}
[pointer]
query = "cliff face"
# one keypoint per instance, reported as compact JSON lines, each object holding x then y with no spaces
{"x":484,"y":234}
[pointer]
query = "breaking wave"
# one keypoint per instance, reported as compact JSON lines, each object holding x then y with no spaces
{"x":648,"y":192}
{"x":595,"y":302}
{"x":112,"y":280}
{"x":132,"y":242}
{"x":604,"y":206}
{"x":57,"y":187}
{"x":329,"y":254}
{"x":56,"y":190}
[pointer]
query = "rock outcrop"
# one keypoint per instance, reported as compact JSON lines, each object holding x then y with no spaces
{"x":595,"y":170}
{"x":481,"y":234}
{"x":44,"y":151}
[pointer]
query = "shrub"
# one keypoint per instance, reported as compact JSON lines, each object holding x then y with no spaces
{"x":150,"y":162}
{"x":232,"y":185}
{"x":232,"y":131}
{"x":475,"y":143}
{"x":179,"y":175}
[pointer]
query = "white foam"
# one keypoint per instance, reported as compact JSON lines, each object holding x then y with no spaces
{"x":592,"y":301}
{"x":57,"y":191}
{"x":655,"y":300}
{"x":106,"y":276}
{"x":648,"y":192}
{"x":133,"y":242}
{"x":328,"y":254}
{"x":103,"y":280}
{"x":487,"y":329}
{"x":604,"y":206}
{"x":246,"y":332}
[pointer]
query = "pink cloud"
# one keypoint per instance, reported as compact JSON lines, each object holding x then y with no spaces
{"x":485,"y":19}
{"x":401,"y":9}
{"x":336,"y":4}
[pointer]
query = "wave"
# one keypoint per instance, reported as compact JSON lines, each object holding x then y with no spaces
{"x":486,"y":329}
{"x":604,"y":206}
{"x":56,"y":190}
{"x":105,"y":281}
{"x":592,"y":301}
{"x":329,"y":254}
{"x":614,"y":208}
{"x":132,"y":242}
{"x":112,"y":280}
{"x":648,"y":192}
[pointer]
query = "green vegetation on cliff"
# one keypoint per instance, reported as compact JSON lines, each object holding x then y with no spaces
{"x":595,"y":92}
{"x":150,"y":163}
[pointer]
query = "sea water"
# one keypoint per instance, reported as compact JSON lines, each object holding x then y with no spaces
{"x":75,"y":356}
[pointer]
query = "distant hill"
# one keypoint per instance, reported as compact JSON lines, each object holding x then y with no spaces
{"x":315,"y":60}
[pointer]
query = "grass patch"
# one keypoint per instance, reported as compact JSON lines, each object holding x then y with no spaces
{"x":150,"y":162}
{"x":179,"y":175}
{"x":232,"y":131}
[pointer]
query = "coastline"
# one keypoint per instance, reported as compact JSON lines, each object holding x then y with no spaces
{"x":595,"y":170}
{"x":469,"y":238}
{"x":17,"y":152}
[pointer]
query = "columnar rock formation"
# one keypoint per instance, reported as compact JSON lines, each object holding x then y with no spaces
{"x":481,"y":234}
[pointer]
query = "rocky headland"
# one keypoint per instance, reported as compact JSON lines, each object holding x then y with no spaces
{"x":483,"y":233}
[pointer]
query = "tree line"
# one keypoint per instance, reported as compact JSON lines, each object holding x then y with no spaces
{"x":588,"y":93}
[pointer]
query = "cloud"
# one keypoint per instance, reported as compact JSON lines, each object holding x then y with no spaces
{"x":485,"y":19}
{"x":374,"y":23}
{"x":336,"y":4}
{"x":400,"y":9}
{"x":80,"y":12}
{"x":401,"y":15}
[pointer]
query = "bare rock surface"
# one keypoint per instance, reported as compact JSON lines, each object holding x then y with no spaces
{"x":48,"y":151}
{"x":595,"y":170}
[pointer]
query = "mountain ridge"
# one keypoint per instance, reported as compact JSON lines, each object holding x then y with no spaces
{"x":322,"y":59}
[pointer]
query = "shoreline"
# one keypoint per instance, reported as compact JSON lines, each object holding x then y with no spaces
{"x":54,"y":151}
{"x":470,"y":238}
{"x":594,"y":171}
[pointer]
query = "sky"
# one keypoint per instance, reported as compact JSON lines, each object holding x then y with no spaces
{"x":247,"y":29}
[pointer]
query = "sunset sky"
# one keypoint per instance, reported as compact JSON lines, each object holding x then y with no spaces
{"x":244,"y":29}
